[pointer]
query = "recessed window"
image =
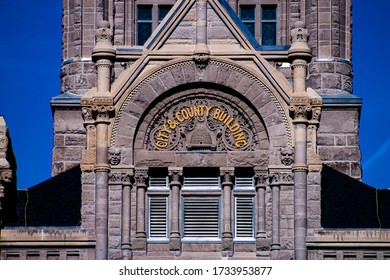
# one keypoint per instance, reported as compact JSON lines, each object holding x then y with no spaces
{"x":158,"y":217}
{"x":268,"y":25}
{"x":144,"y":23}
{"x":247,"y":16}
{"x":147,"y":20}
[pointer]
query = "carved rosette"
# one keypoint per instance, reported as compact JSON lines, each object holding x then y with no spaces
{"x":201,"y":122}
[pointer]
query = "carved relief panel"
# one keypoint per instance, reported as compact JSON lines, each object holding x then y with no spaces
{"x":201,"y":122}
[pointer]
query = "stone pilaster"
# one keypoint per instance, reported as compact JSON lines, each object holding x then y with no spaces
{"x":279,"y":178}
{"x":262,"y":242}
{"x":300,"y":109}
{"x":126,"y":214}
{"x":140,"y":176}
{"x":175,"y":174}
{"x":227,"y":174}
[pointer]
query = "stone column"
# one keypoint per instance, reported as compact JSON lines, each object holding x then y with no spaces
{"x":300,"y":106}
{"x":140,"y":176}
{"x":227,"y":174}
{"x":126,"y":215}
{"x":262,"y":243}
{"x":201,"y":52}
{"x":175,"y":174}
{"x":102,"y":110}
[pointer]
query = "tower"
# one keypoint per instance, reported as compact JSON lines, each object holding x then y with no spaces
{"x":207,"y":128}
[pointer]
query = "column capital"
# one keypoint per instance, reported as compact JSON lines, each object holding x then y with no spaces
{"x":281,"y":178}
{"x":227,"y":174}
{"x":261,"y":177}
{"x":300,"y":109}
{"x":175,"y":173}
{"x":140,"y":176}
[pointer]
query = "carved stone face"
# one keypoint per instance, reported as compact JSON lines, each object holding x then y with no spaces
{"x":287,"y":155}
{"x":6,"y":176}
{"x":114,"y":156}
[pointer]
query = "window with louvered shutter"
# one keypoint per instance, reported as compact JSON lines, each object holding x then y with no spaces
{"x":201,"y":217}
{"x":158,"y":217}
{"x":244,"y":217}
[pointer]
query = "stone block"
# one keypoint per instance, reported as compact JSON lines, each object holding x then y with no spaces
{"x":321,"y":67}
{"x":331,"y":81}
{"x":343,"y":68}
{"x":340,"y":140}
{"x":325,"y":140}
{"x":339,"y":153}
{"x":339,"y":121}
{"x":247,"y":158}
{"x":75,"y":140}
{"x":68,"y":121}
{"x":154,"y":159}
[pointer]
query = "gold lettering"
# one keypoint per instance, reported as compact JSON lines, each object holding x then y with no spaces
{"x":208,"y":108}
{"x":241,"y":143}
{"x":180,"y":119}
{"x":197,"y":111}
{"x":184,"y":113}
{"x":190,"y":112}
{"x":161,"y":145}
{"x":165,"y":129}
{"x":234,"y":128}
{"x":217,"y":112}
{"x":222,"y":116}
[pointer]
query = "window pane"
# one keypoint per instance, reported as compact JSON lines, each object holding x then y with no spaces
{"x":163,"y":11}
{"x":247,"y":15}
{"x":144,"y":12}
{"x":144,"y":32}
{"x":144,"y":23}
{"x":247,"y":12}
{"x":268,"y":12}
{"x":268,"y":35}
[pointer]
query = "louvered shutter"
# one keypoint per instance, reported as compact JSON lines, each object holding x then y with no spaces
{"x":244,"y":183}
{"x":201,"y":183}
{"x":244,"y":217}
{"x":201,"y":217}
{"x":158,"y":217}
{"x":158,"y":183}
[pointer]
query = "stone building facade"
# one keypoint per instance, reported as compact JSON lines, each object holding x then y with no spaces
{"x":202,"y":128}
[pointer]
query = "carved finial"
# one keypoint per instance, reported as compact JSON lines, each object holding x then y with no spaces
{"x":103,"y":48}
{"x":299,"y":48}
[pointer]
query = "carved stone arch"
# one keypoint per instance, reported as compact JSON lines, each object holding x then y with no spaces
{"x":223,"y":73}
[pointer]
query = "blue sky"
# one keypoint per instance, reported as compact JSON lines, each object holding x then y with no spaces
{"x":30,"y":51}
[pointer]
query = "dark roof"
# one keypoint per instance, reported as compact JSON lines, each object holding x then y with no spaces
{"x":349,"y":203}
{"x":54,"y":202}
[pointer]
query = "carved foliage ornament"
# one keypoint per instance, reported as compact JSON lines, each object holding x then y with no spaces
{"x":201,"y":122}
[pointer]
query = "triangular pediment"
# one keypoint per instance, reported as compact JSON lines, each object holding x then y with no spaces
{"x":224,"y":30}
